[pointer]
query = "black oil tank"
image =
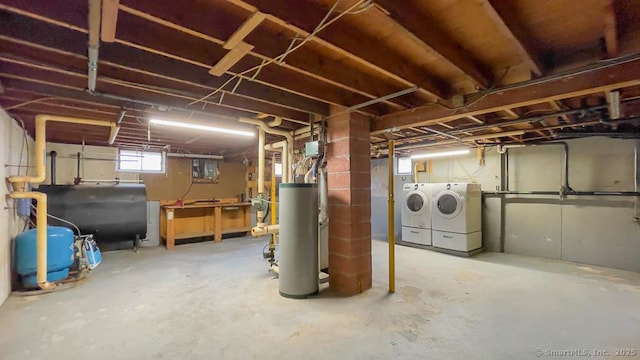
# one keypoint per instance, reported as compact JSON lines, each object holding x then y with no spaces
{"x":111,"y":212}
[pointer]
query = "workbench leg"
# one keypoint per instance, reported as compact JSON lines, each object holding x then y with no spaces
{"x":218,"y":224}
{"x":171,"y":240}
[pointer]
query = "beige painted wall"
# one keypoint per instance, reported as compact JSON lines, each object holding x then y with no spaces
{"x":100,"y":165}
{"x":175,"y":183}
{"x":11,"y":145}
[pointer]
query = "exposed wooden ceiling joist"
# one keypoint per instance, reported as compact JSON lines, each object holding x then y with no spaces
{"x":117,"y":59}
{"x":587,"y":82}
{"x":109,"y":20}
{"x":267,"y":45}
{"x":160,"y":54}
{"x":378,"y":58}
{"x":154,"y":39}
{"x":58,"y":76}
{"x":439,"y":43}
{"x":506,"y":20}
{"x":610,"y":29}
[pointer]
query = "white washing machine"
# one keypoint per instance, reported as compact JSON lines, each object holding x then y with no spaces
{"x":416,"y":213}
{"x":457,"y":216}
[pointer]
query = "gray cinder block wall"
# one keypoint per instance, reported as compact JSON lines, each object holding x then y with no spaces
{"x":597,"y":230}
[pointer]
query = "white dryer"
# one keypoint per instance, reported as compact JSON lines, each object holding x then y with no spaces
{"x":416,"y":213}
{"x":457,"y":216}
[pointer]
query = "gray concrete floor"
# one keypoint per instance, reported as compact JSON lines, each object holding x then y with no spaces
{"x":217,"y":301}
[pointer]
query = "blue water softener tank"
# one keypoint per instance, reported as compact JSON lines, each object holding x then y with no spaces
{"x":59,"y":255}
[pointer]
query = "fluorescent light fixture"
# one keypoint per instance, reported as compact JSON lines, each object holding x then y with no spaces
{"x":201,"y":127}
{"x":494,"y":135}
{"x":440,"y":154}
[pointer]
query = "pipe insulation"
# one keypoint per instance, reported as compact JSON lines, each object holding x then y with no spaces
{"x":286,"y":160}
{"x":19,"y":184}
{"x":287,"y":135}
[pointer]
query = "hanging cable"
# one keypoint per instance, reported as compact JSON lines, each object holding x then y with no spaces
{"x":322,"y":25}
{"x":62,"y":220}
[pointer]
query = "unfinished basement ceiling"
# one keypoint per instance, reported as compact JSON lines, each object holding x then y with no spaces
{"x":469,"y":71}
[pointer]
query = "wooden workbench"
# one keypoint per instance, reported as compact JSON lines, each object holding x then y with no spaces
{"x":202,"y":219}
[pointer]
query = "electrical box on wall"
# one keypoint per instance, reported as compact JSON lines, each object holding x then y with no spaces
{"x":312,"y":148}
{"x":204,"y":170}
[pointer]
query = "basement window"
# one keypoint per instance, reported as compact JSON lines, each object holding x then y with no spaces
{"x":404,"y":165}
{"x":141,"y":161}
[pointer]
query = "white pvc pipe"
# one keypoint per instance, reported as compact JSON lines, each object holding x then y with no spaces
{"x":264,"y":230}
{"x":286,"y":160}
{"x":19,"y":186}
{"x":276,"y":122}
{"x":287,"y":149}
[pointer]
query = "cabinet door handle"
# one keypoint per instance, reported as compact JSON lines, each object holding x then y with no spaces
{"x":447,"y":237}
{"x":415,"y":232}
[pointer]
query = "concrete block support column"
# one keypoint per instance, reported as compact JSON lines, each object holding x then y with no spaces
{"x":349,"y":182}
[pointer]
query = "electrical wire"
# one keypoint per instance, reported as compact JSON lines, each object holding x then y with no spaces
{"x":367,"y":5}
{"x":33,"y":101}
{"x":25,"y":143}
{"x":186,"y":192}
{"x":62,"y":220}
{"x":278,"y":59}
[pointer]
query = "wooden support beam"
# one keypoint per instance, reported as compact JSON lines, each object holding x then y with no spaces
{"x":418,"y":26}
{"x":109,"y":20}
{"x":231,"y":58}
{"x":610,"y":29}
{"x":306,"y":61}
{"x":31,"y":39}
{"x":156,"y":38}
{"x":556,"y":105}
{"x":509,"y":113}
{"x":505,"y":18}
{"x":52,"y":84}
{"x":149,"y":84}
{"x":475,"y":119}
{"x":588,"y":81}
{"x":248,"y":26}
{"x":356,"y":46}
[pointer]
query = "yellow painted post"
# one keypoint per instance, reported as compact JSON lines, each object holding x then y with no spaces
{"x":392,"y":238}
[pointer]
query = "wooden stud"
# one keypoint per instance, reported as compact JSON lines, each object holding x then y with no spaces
{"x":610,"y":29}
{"x":109,"y":20}
{"x":244,"y":30}
{"x":355,"y":46}
{"x":506,"y":20}
{"x":585,"y":83}
{"x":231,"y":58}
{"x":436,"y":41}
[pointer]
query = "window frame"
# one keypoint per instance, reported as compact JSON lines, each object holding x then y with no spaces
{"x":398,"y":172}
{"x":140,"y":153}
{"x":277,"y":169}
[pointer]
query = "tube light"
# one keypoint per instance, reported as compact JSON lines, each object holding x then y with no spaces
{"x":201,"y":127}
{"x":440,"y":154}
